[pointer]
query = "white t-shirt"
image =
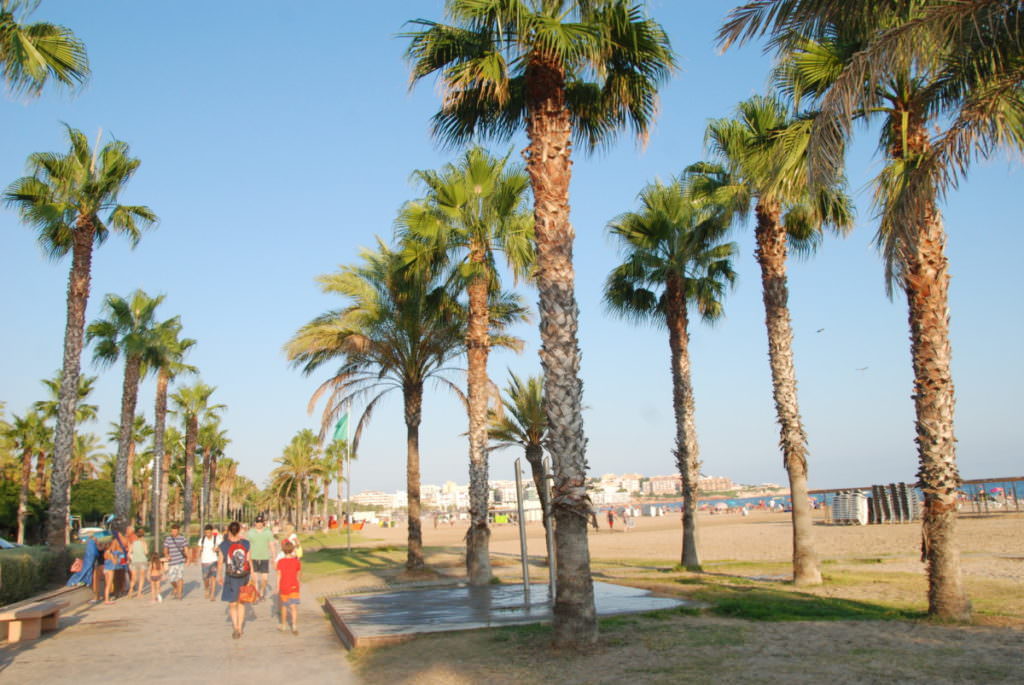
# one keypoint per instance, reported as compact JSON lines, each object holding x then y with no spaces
{"x":208,"y":555}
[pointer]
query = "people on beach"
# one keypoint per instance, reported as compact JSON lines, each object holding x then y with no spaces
{"x":115,"y":558}
{"x":263,"y":548}
{"x":288,"y":569}
{"x":155,"y":574}
{"x":174,"y":551}
{"x":208,"y":559}
{"x":234,"y":565}
{"x":611,"y":519}
{"x":139,"y":555}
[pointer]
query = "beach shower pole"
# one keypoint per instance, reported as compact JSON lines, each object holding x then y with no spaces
{"x":549,"y":524}
{"x":522,"y":533}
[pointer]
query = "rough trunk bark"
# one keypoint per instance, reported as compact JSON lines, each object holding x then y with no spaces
{"x":535,"y":457}
{"x":549,"y":165}
{"x":41,"y":474}
{"x":64,"y":434}
{"x":687,"y":454}
{"x":122,"y":477}
{"x":26,"y":479}
{"x":413,"y":397}
{"x":478,"y":561}
{"x":204,"y":496}
{"x":159,"y":468}
{"x":771,"y":255}
{"x":926,"y":284}
{"x":191,"y":433}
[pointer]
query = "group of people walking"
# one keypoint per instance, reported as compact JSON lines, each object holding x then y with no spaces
{"x":237,"y":561}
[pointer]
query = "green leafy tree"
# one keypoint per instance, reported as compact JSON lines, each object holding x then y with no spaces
{"x":472,"y":210}
{"x":129,"y":328}
{"x":63,"y":198}
{"x":33,"y":54}
{"x":763,"y":155}
{"x":92,"y":499}
{"x":84,"y":457}
{"x":955,"y":68}
{"x":30,"y":437}
{"x":559,"y":69}
{"x":675,"y":257}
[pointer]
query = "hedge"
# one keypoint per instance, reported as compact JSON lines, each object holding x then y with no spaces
{"x":27,"y":571}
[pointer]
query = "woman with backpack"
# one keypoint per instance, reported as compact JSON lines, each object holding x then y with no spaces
{"x":233,"y":569}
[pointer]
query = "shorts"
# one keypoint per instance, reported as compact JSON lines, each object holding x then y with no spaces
{"x":139,"y":569}
{"x":289,"y":599}
{"x":261,"y":565}
{"x":209,"y":570}
{"x":175,"y":573}
{"x":231,"y":587}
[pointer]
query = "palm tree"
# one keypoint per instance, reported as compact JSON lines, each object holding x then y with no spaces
{"x":298,"y":465}
{"x":674,"y":258}
{"x":213,"y":441}
{"x":140,"y":434}
{"x":84,"y":457}
{"x":32,"y":54}
{"x":63,"y":199}
{"x":915,"y":64}
{"x":192,"y":403}
{"x":559,"y":68}
{"x":83,"y":411}
{"x":523,"y":424}
{"x":337,"y":454}
{"x":473,"y":209}
{"x":129,"y":329}
{"x":764,"y":155}
{"x":168,"y":359}
{"x":399,"y":329}
{"x":28,"y":436}
{"x":227,"y":472}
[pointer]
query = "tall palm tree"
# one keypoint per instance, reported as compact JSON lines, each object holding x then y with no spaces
{"x":674,"y":258}
{"x":63,"y":199}
{"x":192,"y":404}
{"x":83,"y":411}
{"x":168,"y":359}
{"x":916,"y":65}
{"x":337,"y":454}
{"x":522,"y":423}
{"x":559,"y":68}
{"x":33,"y":54}
{"x":212,"y":441}
{"x":29,"y":437}
{"x":227,"y":472}
{"x":129,"y":329}
{"x":763,"y":150}
{"x":400,"y":328}
{"x":472,"y":210}
{"x":298,"y":465}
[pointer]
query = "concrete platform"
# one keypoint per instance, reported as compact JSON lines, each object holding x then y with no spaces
{"x":389,"y":617}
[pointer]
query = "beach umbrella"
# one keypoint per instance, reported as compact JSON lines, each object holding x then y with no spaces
{"x":721,"y":505}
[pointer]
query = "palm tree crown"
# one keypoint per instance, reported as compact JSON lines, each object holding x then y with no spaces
{"x":32,"y":54}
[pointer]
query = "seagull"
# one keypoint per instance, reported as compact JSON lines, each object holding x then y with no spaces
{"x":863,"y":368}
{"x":819,"y":330}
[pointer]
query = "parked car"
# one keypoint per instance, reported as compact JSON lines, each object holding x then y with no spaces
{"x":4,"y":544}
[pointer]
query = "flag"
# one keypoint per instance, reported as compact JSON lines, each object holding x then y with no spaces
{"x":341,"y":428}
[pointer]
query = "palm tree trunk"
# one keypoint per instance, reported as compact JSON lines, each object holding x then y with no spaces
{"x":478,"y":560}
{"x":687,"y":454}
{"x":159,"y":467}
{"x":204,"y":496}
{"x":26,"y":479}
{"x":64,"y":434}
{"x":41,"y":474}
{"x":412,"y":395}
{"x":535,"y":457}
{"x":191,"y":432}
{"x":122,"y":476}
{"x":771,"y":255}
{"x":550,"y":168}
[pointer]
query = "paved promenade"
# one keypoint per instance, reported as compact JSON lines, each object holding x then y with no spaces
{"x":186,"y":641}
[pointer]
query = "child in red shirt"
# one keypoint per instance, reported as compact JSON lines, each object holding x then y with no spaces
{"x":288,"y":569}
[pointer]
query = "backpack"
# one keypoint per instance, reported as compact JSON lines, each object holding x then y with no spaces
{"x":235,"y":563}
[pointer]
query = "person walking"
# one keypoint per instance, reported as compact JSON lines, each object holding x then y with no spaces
{"x":262,"y":551}
{"x":288,"y":570}
{"x":208,"y":545}
{"x":174,"y":552}
{"x":138,"y":553}
{"x":156,"y":574}
{"x":233,"y":570}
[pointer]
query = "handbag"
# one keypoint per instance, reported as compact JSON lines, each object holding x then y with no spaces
{"x":76,"y":566}
{"x":247,"y":593}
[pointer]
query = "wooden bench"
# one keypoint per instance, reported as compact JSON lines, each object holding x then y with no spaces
{"x":28,"y":622}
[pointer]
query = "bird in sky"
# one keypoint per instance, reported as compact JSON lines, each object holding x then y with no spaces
{"x":819,"y":330}
{"x":863,"y":368}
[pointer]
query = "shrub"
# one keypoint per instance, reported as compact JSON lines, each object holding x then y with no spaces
{"x":26,"y":571}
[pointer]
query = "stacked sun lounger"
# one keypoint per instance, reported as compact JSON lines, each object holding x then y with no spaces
{"x":850,"y":507}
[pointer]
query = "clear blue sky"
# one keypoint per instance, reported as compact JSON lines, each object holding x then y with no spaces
{"x":277,"y":139}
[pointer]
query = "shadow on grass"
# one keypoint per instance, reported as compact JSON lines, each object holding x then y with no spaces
{"x":770,"y":604}
{"x":334,"y":559}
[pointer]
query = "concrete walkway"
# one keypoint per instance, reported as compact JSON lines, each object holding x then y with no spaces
{"x":137,"y":641}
